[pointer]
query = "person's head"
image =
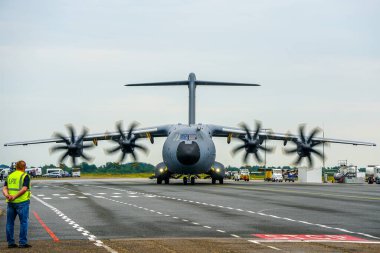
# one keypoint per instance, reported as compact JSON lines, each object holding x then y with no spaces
{"x":21,"y":165}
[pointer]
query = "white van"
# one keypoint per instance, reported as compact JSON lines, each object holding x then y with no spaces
{"x":55,"y":170}
{"x":277,"y":175}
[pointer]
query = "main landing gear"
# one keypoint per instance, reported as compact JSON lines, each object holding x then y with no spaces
{"x":213,"y":180}
{"x":160,"y":179}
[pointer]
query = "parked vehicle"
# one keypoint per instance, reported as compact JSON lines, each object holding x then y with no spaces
{"x":55,"y":170}
{"x":291,"y":177}
{"x":277,"y":175}
{"x":53,"y":175}
{"x":236,"y":176}
{"x":244,"y":174}
{"x":372,"y":174}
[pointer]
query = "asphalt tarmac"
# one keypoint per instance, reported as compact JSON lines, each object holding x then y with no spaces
{"x":136,"y":215}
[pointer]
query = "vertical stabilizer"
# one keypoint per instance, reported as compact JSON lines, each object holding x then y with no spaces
{"x":192,"y":83}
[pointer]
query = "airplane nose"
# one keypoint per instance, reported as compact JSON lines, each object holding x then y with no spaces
{"x":188,"y":154}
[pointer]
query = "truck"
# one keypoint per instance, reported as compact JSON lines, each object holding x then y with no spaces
{"x":372,"y":174}
{"x":277,"y":175}
{"x":34,"y":172}
{"x":75,"y":172}
{"x":268,"y":175}
{"x":5,"y":172}
{"x":244,"y":174}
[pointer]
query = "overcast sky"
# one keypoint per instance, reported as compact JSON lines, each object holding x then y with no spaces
{"x":66,"y":62}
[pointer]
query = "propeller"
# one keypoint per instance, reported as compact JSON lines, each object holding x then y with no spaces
{"x":73,"y":145}
{"x":306,"y":146}
{"x":126,"y":143}
{"x":252,"y":143}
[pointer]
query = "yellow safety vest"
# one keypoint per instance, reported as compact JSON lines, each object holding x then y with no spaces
{"x":15,"y":183}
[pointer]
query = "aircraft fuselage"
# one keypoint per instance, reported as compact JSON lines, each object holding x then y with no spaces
{"x":189,"y":150}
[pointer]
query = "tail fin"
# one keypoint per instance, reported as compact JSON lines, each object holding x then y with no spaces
{"x":192,"y":83}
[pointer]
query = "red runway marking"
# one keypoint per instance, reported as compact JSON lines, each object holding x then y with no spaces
{"x":309,"y":237}
{"x":52,"y":235}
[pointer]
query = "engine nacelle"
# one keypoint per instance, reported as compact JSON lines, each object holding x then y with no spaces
{"x":161,"y":170}
{"x":217,"y":170}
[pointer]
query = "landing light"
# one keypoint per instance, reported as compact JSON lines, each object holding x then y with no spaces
{"x":161,"y":170}
{"x":218,"y":170}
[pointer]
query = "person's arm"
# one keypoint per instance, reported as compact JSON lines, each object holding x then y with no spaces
{"x":22,"y":191}
{"x":5,"y":191}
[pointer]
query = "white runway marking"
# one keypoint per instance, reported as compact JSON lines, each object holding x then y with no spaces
{"x":72,"y":194}
{"x":263,"y":214}
{"x":56,"y":194}
{"x":116,"y":196}
{"x":64,"y":217}
{"x":64,"y":197}
{"x":46,"y":198}
{"x":40,"y":195}
{"x":82,"y":197}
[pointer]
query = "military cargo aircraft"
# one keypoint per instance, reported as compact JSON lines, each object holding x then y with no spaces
{"x":189,"y":150}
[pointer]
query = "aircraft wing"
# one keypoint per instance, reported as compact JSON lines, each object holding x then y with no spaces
{"x":150,"y":133}
{"x":231,"y":132}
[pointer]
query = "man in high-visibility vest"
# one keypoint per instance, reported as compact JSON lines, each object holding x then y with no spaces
{"x":17,"y":191}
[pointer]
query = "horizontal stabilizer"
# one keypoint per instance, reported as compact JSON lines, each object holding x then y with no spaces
{"x":160,"y":83}
{"x":196,"y":83}
{"x":224,"y":83}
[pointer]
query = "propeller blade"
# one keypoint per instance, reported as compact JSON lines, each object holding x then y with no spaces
{"x":84,"y":133}
{"x":131,"y":128}
{"x":72,"y":132}
{"x":123,"y":155}
{"x":59,"y":135}
{"x":63,"y":157}
{"x":111,"y":151}
{"x":267,"y":149}
{"x":134,"y":156}
{"x":315,"y":132}
{"x":246,"y":129}
{"x":316,"y":144}
{"x":317,"y":153}
{"x":290,"y":151}
{"x":245,"y":159}
{"x":119,"y":127}
{"x":56,"y":148}
{"x":87,"y":158}
{"x":258,"y":157}
{"x":88,"y":146}
{"x":298,"y":160}
{"x":301,"y":132}
{"x":143,"y":148}
{"x":236,"y":149}
{"x":258,"y":128}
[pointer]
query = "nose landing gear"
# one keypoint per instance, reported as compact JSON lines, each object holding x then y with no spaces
{"x":192,"y":180}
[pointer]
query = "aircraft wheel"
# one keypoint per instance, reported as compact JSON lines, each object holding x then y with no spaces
{"x":221,"y":181}
{"x":192,"y":180}
{"x":185,"y":180}
{"x":159,"y":180}
{"x":167,"y":180}
{"x":213,"y":180}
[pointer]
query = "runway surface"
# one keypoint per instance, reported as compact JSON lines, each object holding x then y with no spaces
{"x":136,"y":215}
